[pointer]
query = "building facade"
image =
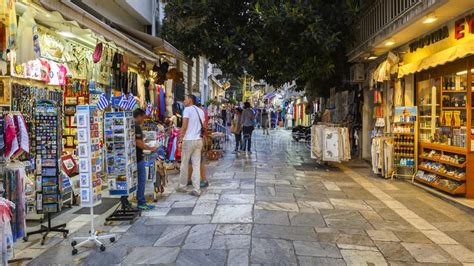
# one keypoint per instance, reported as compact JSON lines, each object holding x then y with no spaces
{"x":417,"y":55}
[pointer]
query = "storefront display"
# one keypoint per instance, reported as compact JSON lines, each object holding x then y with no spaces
{"x":446,"y":128}
{"x":121,"y":167}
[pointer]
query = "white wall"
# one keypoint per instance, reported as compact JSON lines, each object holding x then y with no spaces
{"x":114,"y":12}
{"x":142,"y":8}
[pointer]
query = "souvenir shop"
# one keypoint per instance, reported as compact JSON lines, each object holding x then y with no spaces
{"x":66,"y":101}
{"x":428,"y":137}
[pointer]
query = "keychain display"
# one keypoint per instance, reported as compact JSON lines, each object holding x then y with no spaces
{"x":48,"y":149}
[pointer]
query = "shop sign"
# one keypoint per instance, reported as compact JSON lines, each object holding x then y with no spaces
{"x":460,"y":26}
{"x":429,"y":39}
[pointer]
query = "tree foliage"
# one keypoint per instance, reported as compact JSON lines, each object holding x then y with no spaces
{"x":277,"y":41}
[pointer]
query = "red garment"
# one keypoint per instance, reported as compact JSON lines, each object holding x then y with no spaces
{"x":45,"y":69}
{"x":22,"y":136}
{"x":295,"y":112}
{"x":301,"y":111}
{"x":11,"y":140}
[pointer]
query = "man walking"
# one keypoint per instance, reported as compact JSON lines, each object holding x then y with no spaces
{"x":191,"y":137}
{"x":248,"y":122}
{"x":139,"y":116}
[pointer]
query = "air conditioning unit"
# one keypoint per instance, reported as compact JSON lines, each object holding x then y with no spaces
{"x":357,"y":73}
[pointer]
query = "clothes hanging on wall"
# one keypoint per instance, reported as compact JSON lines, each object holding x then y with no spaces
{"x":14,"y":181}
{"x":133,"y":82}
{"x":6,"y":236}
{"x":382,"y":156}
{"x":2,"y":135}
{"x":162,"y":103}
{"x":14,"y":140}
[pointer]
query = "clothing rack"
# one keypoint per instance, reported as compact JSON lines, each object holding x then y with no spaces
{"x":13,"y":166}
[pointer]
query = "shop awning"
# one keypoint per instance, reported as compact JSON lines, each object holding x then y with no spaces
{"x":160,"y":46}
{"x":440,"y":58}
{"x":74,"y":13}
{"x":383,"y":71}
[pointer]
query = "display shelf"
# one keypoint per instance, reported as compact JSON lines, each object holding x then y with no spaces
{"x":404,"y":134}
{"x":404,"y":145}
{"x":405,"y":148}
{"x":443,"y":147}
{"x":458,"y":191}
{"x":455,"y":108}
{"x":453,"y":91}
{"x":441,"y":174}
{"x":443,"y":162}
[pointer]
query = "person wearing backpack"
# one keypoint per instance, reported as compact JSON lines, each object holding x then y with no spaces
{"x":192,"y":132}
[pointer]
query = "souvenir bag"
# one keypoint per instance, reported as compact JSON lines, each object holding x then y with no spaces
{"x":97,"y":53}
{"x":203,"y":129}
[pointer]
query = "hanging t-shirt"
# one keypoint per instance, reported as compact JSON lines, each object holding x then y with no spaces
{"x":62,"y":75}
{"x":33,"y":69}
{"x":54,"y":74}
{"x":45,"y":68}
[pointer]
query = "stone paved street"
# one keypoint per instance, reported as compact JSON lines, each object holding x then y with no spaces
{"x":277,"y":206}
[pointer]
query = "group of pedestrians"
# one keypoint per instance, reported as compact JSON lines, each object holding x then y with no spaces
{"x":243,"y":125}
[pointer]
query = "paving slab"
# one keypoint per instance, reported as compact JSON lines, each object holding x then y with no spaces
{"x":272,"y":251}
{"x":241,"y":213}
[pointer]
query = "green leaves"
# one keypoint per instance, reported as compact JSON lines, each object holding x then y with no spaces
{"x":275,"y":40}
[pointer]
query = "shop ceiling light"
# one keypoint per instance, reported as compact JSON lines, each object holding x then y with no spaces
{"x":390,"y":42}
{"x":464,"y":72}
{"x":430,"y":18}
{"x":67,"y":34}
{"x":372,"y":57}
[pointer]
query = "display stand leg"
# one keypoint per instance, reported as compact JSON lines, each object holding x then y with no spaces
{"x":94,"y":237}
{"x":45,"y":230}
{"x":124,"y":212}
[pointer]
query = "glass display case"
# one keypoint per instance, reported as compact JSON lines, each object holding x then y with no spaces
{"x":429,"y":108}
{"x":444,"y":100}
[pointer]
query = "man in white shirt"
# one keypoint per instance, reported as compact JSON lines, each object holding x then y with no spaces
{"x":192,"y":143}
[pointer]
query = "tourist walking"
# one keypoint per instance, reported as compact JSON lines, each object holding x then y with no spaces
{"x":236,"y":129}
{"x":192,"y":144}
{"x":265,"y":121}
{"x":247,"y":122}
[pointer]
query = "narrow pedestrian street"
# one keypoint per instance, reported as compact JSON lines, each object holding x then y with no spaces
{"x":277,"y":206}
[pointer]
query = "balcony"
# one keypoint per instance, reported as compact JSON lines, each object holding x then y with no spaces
{"x":383,"y":18}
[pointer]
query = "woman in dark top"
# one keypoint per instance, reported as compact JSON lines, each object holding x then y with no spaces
{"x":247,"y":122}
